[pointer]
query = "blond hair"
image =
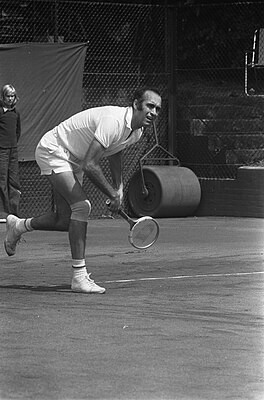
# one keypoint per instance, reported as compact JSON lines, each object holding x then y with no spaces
{"x":7,"y":89}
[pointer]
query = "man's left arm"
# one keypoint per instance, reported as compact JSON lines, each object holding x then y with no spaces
{"x":115,"y":163}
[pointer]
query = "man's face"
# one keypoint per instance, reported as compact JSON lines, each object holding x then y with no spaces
{"x":147,"y":111}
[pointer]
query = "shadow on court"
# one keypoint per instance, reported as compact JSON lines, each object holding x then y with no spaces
{"x":180,"y":320}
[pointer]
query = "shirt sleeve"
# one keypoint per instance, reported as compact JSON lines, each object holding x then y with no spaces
{"x":107,"y":131}
{"x":18,"y":129}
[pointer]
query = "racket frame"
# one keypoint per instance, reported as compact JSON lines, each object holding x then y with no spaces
{"x":133,"y":223}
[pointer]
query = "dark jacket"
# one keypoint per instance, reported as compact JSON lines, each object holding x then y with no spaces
{"x":10,"y":128}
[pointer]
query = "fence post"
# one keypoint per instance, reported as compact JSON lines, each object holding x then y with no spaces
{"x":171,"y":68}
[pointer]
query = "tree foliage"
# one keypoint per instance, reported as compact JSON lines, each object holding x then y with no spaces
{"x":216,"y":35}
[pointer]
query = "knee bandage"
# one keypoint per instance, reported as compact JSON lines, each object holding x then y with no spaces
{"x":81,"y":210}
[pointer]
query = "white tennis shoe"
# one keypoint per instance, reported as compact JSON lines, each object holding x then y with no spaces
{"x":87,"y":285}
{"x":12,"y":234}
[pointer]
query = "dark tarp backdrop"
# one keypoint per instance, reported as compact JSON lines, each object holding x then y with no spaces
{"x":48,"y":78}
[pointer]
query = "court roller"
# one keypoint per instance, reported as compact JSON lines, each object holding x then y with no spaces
{"x":172,"y":191}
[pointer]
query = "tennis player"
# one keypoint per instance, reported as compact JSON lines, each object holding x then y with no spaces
{"x":74,"y":147}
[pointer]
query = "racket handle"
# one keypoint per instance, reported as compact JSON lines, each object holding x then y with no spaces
{"x":124,"y":215}
{"x":120,"y":212}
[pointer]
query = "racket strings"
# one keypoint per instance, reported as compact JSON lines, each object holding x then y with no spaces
{"x":143,"y":233}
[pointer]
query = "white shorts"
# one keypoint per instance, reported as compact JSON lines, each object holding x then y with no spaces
{"x":51,"y":156}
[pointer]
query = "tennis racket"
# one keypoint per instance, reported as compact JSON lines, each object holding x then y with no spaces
{"x":143,"y":232}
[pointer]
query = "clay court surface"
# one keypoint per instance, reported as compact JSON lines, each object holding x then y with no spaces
{"x":182,"y":320}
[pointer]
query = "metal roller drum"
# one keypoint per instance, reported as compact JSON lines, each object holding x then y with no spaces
{"x":172,"y":191}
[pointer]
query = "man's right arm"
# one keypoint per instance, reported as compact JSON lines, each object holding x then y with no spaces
{"x":91,"y":167}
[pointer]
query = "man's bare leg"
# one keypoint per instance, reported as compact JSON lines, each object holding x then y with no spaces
{"x":68,"y":194}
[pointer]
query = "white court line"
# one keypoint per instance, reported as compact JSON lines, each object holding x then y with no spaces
{"x":186,"y":277}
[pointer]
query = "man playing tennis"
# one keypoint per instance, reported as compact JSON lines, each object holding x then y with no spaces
{"x":73,"y":148}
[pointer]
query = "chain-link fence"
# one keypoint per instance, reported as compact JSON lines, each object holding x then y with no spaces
{"x":126,"y":48}
{"x":194,"y":53}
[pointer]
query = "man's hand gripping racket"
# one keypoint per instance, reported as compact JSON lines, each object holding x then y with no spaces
{"x":143,"y":232}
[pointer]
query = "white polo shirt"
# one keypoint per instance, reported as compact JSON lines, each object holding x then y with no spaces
{"x":110,"y":125}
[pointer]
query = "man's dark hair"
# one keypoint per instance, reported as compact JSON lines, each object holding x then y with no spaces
{"x":139,"y":93}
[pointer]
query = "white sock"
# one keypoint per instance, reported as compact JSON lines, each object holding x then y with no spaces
{"x":28,"y":224}
{"x":79,"y":269}
{"x":24,"y":225}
